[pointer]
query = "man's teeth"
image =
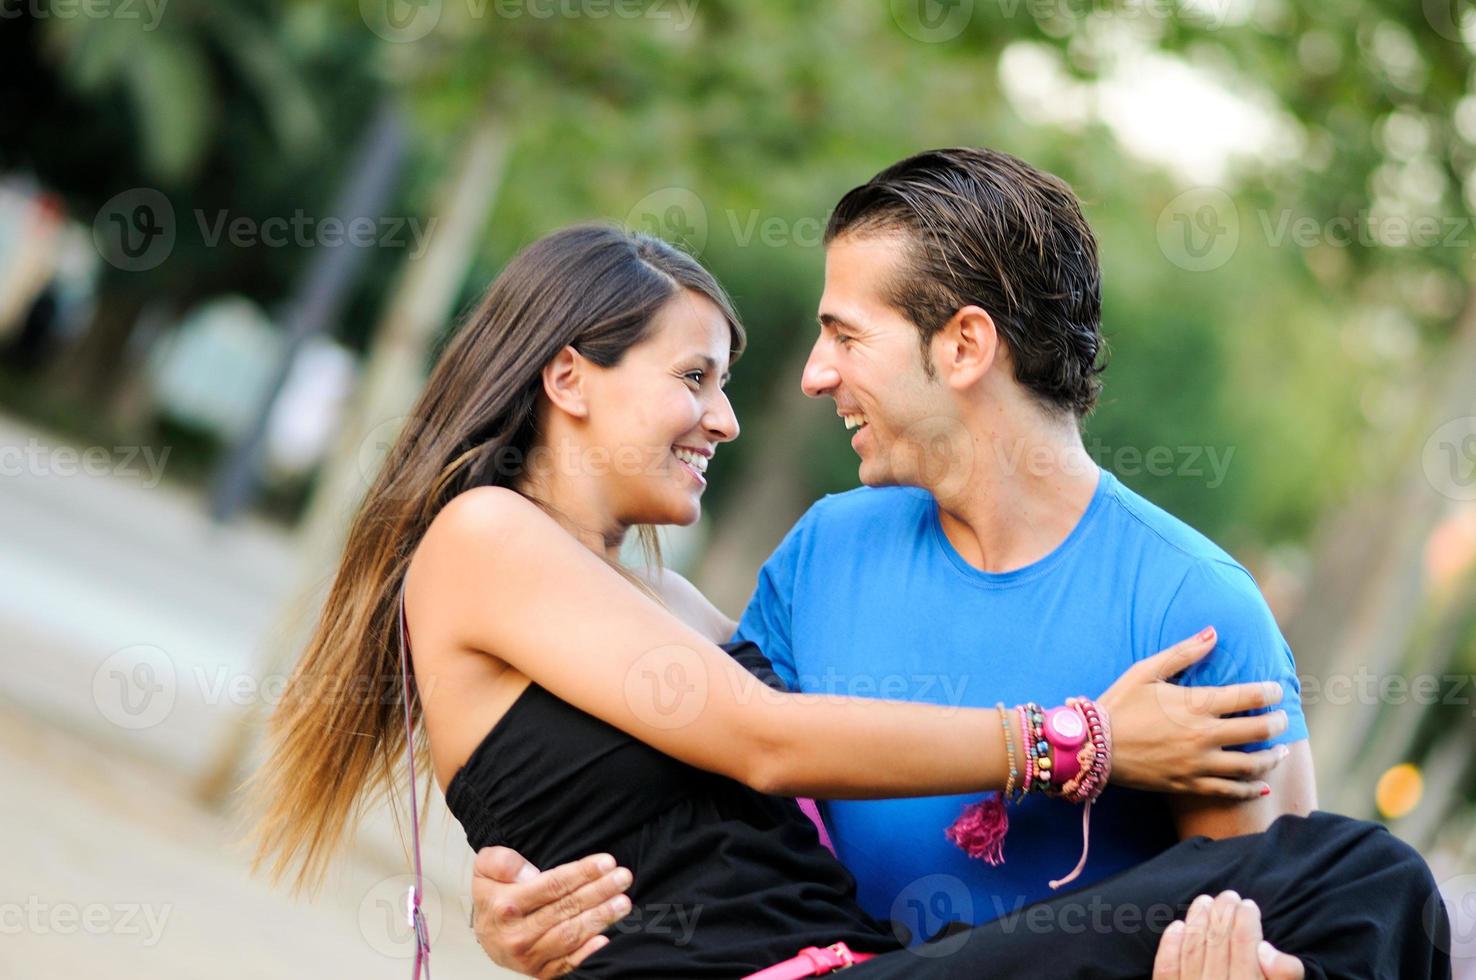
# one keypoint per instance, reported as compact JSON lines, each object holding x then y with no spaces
{"x":697,"y":461}
{"x":854,"y":421}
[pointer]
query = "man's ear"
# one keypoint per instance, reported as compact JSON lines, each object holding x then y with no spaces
{"x":966,"y":347}
{"x":564,"y":379}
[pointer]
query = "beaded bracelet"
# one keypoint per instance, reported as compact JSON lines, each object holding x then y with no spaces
{"x":1004,"y":720}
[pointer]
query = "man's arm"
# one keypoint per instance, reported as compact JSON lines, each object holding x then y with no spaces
{"x":1251,"y":648}
{"x":1293,"y":790}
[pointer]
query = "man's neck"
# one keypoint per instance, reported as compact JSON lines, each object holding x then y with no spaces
{"x":1026,"y":491}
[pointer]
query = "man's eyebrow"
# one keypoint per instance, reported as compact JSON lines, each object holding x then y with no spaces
{"x":831,"y":320}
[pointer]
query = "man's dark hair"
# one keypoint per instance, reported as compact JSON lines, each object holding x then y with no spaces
{"x":986,"y":229}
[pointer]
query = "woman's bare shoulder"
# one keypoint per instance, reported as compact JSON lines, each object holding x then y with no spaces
{"x":688,"y":603}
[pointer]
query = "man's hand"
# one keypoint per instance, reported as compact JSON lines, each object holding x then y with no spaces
{"x":545,"y":923}
{"x":1221,"y":940}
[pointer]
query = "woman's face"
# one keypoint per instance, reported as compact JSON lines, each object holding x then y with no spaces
{"x":661,"y":413}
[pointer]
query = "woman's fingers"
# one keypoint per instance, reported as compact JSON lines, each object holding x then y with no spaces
{"x":1228,"y":789}
{"x":1174,"y":660}
{"x":1235,"y":698}
{"x":1240,"y":731}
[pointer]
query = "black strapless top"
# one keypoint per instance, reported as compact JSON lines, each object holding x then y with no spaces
{"x":727,"y":880}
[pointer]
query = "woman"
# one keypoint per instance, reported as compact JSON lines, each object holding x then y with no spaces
{"x":565,"y":709}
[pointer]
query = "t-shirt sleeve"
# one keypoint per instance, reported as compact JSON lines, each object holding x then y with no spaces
{"x":767,"y":621}
{"x":1250,"y":646}
{"x":752,"y":659}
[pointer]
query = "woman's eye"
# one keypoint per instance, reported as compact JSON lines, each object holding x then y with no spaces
{"x":695,"y":376}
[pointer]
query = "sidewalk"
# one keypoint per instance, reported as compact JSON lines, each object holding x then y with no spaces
{"x":133,"y":633}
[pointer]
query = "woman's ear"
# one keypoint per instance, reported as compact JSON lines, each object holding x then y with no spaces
{"x":564,"y":379}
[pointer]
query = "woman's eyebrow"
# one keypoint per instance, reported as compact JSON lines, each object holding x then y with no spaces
{"x":710,"y":366}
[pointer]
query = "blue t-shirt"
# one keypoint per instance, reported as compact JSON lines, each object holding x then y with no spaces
{"x":867,"y":597}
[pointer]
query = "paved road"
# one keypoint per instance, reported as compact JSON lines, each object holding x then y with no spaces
{"x":131,"y":631}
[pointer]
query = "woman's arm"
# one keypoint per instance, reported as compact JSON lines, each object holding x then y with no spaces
{"x":495,"y":574}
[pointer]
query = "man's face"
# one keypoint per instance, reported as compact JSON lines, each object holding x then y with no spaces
{"x":869,"y":361}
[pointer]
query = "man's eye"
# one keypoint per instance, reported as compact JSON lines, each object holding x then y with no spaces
{"x":843,"y":340}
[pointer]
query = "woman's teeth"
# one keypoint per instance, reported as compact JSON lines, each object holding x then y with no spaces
{"x":854,"y":421}
{"x":697,"y":461}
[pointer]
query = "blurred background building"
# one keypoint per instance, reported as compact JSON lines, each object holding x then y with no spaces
{"x":234,"y":235}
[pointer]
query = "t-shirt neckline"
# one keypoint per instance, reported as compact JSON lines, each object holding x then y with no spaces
{"x":1025,"y":572}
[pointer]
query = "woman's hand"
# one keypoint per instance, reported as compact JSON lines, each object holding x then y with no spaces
{"x":1171,"y":739}
{"x":1221,"y":940}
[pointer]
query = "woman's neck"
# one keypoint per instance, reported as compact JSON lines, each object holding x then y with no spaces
{"x":578,"y":503}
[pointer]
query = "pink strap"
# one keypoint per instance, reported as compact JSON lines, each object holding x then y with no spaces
{"x":812,"y":961}
{"x":414,"y":917}
{"x":808,"y":807}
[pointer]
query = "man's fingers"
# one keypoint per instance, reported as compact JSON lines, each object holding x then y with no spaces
{"x":556,"y":883}
{"x":1276,"y":965}
{"x":1245,"y":938}
{"x":571,"y":962}
{"x":1217,"y":941}
{"x":587,"y":900}
{"x":1177,"y":658}
{"x":1196,"y":925}
{"x":1170,"y":947}
{"x":567,"y":943}
{"x":503,"y":864}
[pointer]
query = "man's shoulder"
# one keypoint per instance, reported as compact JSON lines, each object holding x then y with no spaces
{"x":869,"y":506}
{"x":1181,"y":549}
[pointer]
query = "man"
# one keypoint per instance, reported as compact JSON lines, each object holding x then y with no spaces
{"x":986,"y":558}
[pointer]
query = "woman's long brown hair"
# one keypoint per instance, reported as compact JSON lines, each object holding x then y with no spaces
{"x":336,"y":741}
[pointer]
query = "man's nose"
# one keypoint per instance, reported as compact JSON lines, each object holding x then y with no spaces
{"x":820,"y":378}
